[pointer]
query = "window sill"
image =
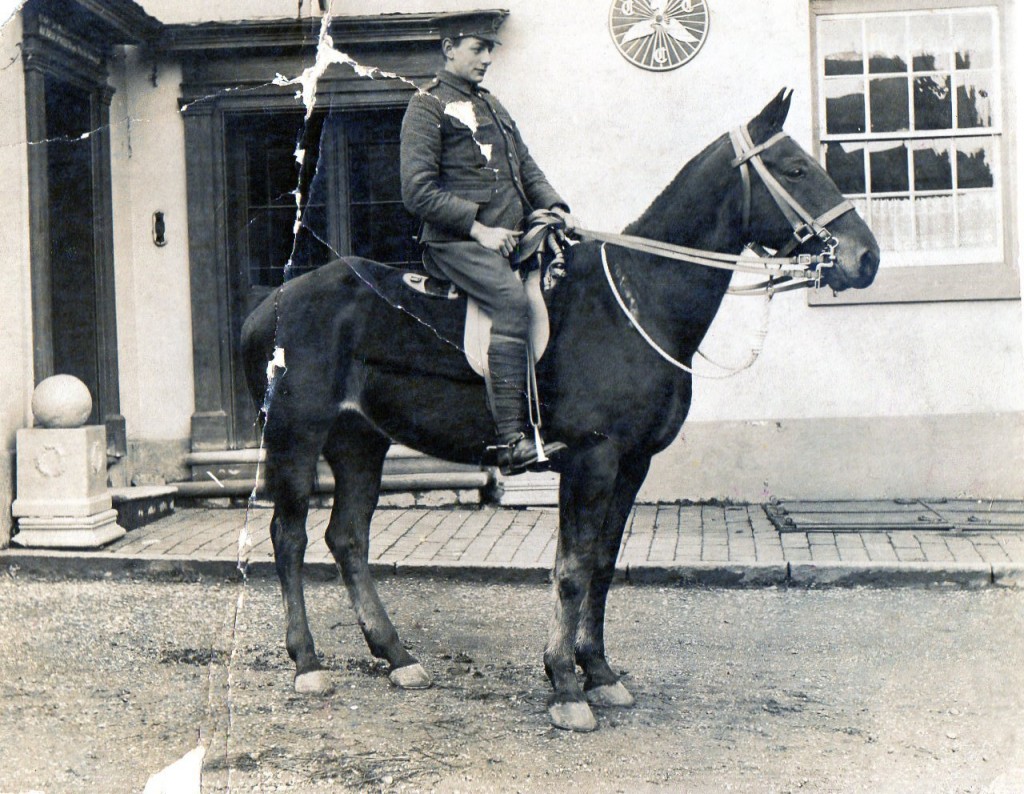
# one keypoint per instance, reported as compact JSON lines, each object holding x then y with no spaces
{"x":929,"y":284}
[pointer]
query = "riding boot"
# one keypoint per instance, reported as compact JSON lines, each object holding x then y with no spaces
{"x":517,"y":449}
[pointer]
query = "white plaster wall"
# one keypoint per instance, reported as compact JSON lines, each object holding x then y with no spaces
{"x":610,"y":136}
{"x":154,"y":326}
{"x":16,"y":307}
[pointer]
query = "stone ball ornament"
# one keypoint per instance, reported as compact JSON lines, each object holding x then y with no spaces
{"x":61,"y":401}
{"x":659,"y":35}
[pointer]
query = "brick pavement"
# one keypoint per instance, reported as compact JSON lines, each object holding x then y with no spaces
{"x":664,"y":533}
{"x":695,"y":543}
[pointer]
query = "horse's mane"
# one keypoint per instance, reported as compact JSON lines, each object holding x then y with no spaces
{"x":674,"y":192}
{"x":693,"y":204}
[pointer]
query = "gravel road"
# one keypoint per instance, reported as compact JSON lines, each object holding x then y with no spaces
{"x":767,"y":690}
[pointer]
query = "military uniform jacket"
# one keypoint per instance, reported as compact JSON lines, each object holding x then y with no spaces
{"x":463,"y":160}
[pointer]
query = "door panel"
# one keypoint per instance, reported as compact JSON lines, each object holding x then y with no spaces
{"x":72,"y":221}
{"x":352,"y":205}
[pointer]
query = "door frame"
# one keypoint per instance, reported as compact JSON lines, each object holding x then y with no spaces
{"x":69,"y":41}
{"x":217,"y":60}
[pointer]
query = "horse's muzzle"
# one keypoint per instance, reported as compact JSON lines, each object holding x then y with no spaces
{"x":842,"y":276}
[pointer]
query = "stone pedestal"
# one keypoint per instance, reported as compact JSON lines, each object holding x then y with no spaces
{"x":62,"y":498}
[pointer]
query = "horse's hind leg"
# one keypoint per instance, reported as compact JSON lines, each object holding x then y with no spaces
{"x":602,"y":685}
{"x":356,"y":454}
{"x":291,"y":465}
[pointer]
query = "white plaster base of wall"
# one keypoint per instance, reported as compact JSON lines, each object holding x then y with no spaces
{"x":960,"y":455}
{"x":157,"y":462}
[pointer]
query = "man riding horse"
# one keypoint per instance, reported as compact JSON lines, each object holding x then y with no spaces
{"x":468,"y":176}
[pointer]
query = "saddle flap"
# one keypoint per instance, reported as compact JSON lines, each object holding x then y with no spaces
{"x":477,"y":337}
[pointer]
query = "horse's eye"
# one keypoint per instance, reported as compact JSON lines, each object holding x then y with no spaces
{"x":795,"y":173}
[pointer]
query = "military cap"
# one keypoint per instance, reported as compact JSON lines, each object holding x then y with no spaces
{"x":480,"y":24}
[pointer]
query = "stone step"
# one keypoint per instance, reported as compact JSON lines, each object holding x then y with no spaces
{"x":139,"y":505}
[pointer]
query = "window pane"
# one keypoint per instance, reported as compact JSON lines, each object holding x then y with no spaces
{"x":385,"y":233}
{"x":979,"y":218}
{"x":933,"y":103}
{"x":887,"y":44}
{"x":930,"y":42}
{"x":973,"y":40}
{"x":272,"y":172}
{"x":269,"y":240}
{"x":974,"y":99}
{"x":890,"y":108}
{"x":844,"y":106}
{"x":845,"y":164}
{"x":935,"y":217}
{"x":373,"y":126}
{"x":312,"y":248}
{"x":933,"y":169}
{"x":891,"y":222}
{"x":889,"y":167}
{"x":974,"y":163}
{"x":841,"y":46}
{"x":374,"y":176}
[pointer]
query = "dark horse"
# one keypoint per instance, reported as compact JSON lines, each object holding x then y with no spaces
{"x":606,"y":394}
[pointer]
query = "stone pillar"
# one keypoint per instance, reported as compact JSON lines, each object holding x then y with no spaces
{"x":62,"y":497}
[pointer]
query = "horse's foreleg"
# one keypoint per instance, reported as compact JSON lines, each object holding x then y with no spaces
{"x":584,"y":493}
{"x":602,"y":685}
{"x":290,"y":473}
{"x":356,"y":455}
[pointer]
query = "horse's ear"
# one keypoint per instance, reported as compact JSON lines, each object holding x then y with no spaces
{"x":772,"y":116}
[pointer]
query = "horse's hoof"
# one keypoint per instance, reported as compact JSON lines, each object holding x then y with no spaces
{"x":412,"y":676}
{"x":610,"y":695}
{"x":315,"y":682}
{"x":572,"y":717}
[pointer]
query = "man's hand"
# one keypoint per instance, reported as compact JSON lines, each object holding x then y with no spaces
{"x":567,"y":219}
{"x":495,"y":238}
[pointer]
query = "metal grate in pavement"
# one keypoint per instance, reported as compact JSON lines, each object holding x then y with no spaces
{"x":962,"y":515}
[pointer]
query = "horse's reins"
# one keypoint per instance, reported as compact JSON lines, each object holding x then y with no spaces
{"x":785,"y":271}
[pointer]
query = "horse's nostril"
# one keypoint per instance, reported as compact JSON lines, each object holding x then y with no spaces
{"x":868,"y":264}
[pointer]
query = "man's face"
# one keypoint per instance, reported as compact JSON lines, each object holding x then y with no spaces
{"x":469,"y":58}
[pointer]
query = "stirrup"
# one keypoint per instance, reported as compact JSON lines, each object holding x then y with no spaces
{"x":531,"y":457}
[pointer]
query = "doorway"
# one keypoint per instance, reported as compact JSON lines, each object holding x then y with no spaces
{"x":72,"y":249}
{"x":352,"y":205}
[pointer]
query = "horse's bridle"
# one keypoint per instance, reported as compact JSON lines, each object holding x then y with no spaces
{"x":805,"y":226}
{"x":786,"y":271}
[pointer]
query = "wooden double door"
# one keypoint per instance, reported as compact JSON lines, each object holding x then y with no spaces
{"x":350,"y":195}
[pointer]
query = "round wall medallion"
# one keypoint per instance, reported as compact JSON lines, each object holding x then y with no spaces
{"x":659,"y":34}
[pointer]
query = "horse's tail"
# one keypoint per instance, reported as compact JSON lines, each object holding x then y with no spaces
{"x":257,"y":345}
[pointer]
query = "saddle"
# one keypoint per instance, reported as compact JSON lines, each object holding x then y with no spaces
{"x":425,"y":325}
{"x":540,"y":261}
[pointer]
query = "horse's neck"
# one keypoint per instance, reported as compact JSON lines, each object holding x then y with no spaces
{"x":678,"y":298}
{"x":695,"y":208}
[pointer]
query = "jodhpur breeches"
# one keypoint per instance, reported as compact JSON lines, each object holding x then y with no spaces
{"x":487,"y":277}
